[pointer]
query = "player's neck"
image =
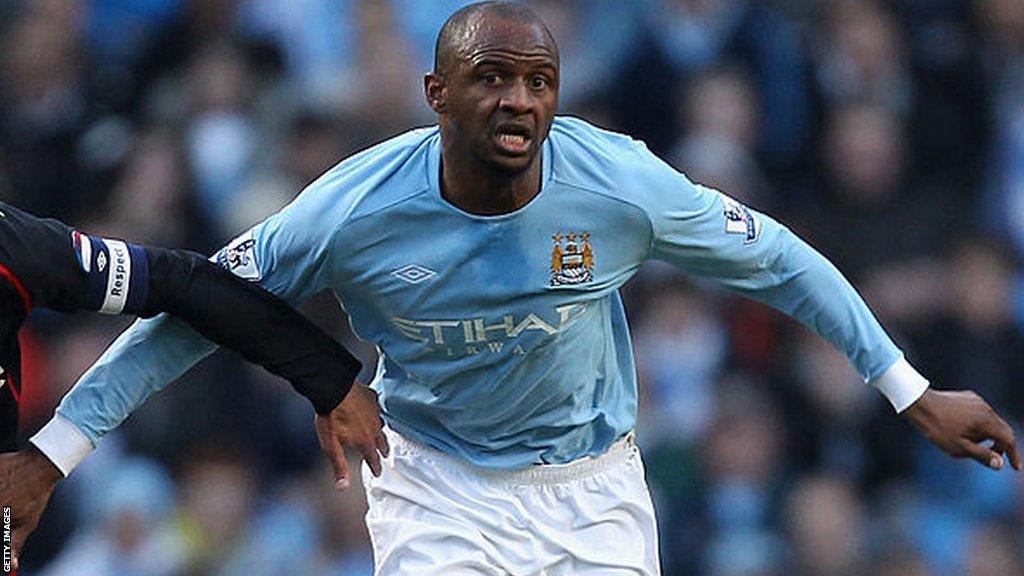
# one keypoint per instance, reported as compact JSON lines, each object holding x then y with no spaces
{"x":479,"y":190}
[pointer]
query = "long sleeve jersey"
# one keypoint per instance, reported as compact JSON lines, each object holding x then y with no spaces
{"x":503,"y":339}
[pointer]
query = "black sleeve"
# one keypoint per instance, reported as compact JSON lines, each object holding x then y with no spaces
{"x":61,"y":268}
{"x":38,"y":256}
{"x":253,"y":322}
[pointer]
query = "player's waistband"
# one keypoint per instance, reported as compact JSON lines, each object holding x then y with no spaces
{"x":617,"y":454}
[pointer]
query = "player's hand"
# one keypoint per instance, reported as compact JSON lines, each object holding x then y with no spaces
{"x":962,"y":425}
{"x":355,"y":422}
{"x":27,"y":479}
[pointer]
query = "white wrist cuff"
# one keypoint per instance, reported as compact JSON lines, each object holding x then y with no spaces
{"x":901,"y":384}
{"x":63,"y":443}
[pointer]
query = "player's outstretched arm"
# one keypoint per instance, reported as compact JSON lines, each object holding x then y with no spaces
{"x":787,"y":274}
{"x":711,"y":235}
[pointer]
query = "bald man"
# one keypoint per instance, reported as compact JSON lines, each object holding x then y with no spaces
{"x":483,"y":257}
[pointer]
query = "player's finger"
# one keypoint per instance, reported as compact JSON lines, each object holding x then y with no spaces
{"x":982,"y":455}
{"x":342,"y":480}
{"x":1003,"y":440}
{"x":335,"y":453}
{"x":1015,"y":460}
{"x":369,"y":452}
{"x":334,"y":449}
{"x":382,"y":444}
{"x":1010,"y":450}
{"x":1007,"y":444}
{"x":997,"y":429}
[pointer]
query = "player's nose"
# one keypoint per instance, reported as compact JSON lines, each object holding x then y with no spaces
{"x":517,"y":98}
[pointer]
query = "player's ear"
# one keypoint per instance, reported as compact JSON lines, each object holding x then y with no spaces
{"x":434,"y":89}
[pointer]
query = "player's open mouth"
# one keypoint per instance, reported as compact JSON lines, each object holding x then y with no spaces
{"x":513,"y":140}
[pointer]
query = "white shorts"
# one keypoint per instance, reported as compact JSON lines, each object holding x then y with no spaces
{"x":431,"y":514}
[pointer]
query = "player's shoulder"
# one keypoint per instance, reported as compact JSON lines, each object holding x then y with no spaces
{"x":578,"y":140}
{"x":379,"y":176}
{"x":604,"y":161}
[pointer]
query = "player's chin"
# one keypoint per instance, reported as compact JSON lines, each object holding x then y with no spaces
{"x":512,"y":163}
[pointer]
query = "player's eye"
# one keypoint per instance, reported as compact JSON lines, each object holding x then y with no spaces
{"x":538,"y":82}
{"x":491,"y":78}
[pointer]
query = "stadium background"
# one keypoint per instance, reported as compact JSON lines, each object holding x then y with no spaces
{"x":891,"y":135}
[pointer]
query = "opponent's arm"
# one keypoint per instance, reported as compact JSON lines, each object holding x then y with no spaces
{"x":709,"y":234}
{"x":66,"y":271}
{"x":246,"y":318}
{"x":153,"y":352}
{"x":291,"y":247}
{"x":265,"y":330}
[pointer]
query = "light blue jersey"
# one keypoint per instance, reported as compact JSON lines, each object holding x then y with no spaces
{"x":503,"y":339}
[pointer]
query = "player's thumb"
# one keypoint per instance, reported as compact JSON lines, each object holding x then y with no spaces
{"x":984,"y":456}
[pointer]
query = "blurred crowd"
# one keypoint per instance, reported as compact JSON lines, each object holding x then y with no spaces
{"x":888,"y":134}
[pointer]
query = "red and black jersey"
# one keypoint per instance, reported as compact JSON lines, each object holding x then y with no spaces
{"x":47,"y":264}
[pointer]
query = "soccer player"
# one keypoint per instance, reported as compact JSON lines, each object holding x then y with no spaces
{"x":483,"y":257}
{"x":44,"y":263}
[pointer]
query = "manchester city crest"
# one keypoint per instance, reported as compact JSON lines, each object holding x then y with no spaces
{"x":572,"y":259}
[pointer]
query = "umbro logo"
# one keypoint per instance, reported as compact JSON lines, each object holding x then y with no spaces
{"x":414,"y":273}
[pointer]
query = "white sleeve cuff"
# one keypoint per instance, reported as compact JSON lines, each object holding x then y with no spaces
{"x":63,"y":443}
{"x":901,"y":384}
